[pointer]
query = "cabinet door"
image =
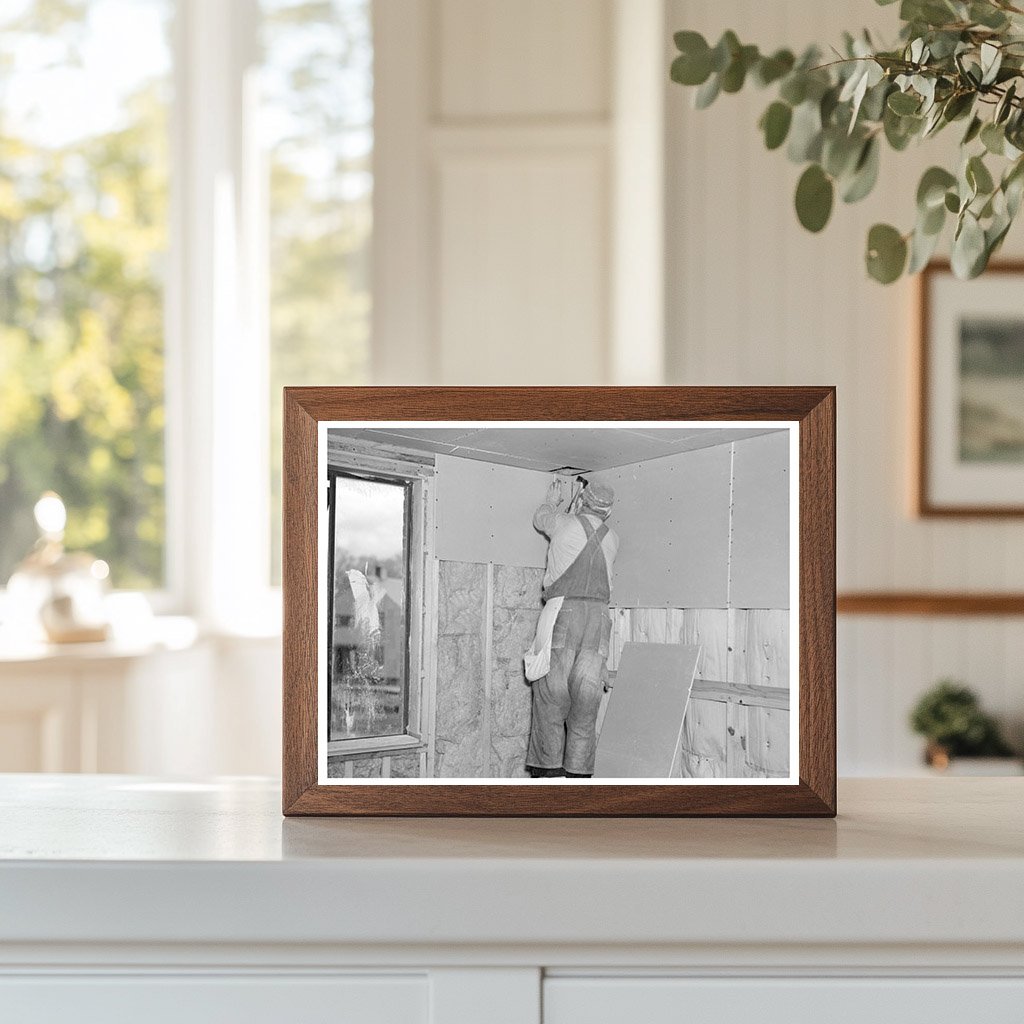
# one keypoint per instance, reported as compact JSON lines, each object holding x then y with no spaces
{"x":783,"y":1001}
{"x":205,"y":999}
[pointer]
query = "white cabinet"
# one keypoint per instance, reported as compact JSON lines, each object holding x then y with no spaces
{"x":824,"y":1000}
{"x":174,"y":704}
{"x":202,"y":999}
{"x":134,"y":898}
{"x":98,"y":708}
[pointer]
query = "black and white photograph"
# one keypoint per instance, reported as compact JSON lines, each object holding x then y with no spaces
{"x":539,"y":603}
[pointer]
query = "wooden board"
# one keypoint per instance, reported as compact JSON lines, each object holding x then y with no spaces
{"x":758,"y":647}
{"x":642,"y":726}
{"x":706,"y":627}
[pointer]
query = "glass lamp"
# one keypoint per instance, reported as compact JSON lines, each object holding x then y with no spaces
{"x":55,"y":595}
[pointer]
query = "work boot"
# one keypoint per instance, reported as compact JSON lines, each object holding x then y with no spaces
{"x":574,"y":775}
{"x":545,"y":773}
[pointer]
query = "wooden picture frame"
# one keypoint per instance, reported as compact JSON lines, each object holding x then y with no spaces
{"x":948,"y":483}
{"x":808,"y":414}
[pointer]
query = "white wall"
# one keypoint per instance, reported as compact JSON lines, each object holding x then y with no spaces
{"x":510,"y":134}
{"x":498,"y":247}
{"x":754,"y":299}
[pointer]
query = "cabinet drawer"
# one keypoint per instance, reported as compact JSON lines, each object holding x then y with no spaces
{"x":569,"y":1000}
{"x":202,"y":999}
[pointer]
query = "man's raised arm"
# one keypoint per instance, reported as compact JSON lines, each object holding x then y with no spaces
{"x":548,"y":517}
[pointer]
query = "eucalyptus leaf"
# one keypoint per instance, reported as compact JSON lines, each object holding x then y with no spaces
{"x":957,"y":106}
{"x":775,"y":124}
{"x":993,"y":138}
{"x":805,"y":133}
{"x":707,"y":93}
{"x":991,"y":60}
{"x":922,"y":248}
{"x":814,"y":196}
{"x":688,"y":69}
{"x":987,"y":15}
{"x":900,"y":130}
{"x":978,"y":176}
{"x":794,"y":88}
{"x":865,"y":173}
{"x":904,"y":103}
{"x":886,"y":253}
{"x":1013,"y":187}
{"x":771,"y":69}
{"x":1014,"y":192}
{"x":1005,"y":105}
{"x":931,"y":191}
{"x":735,"y":74}
{"x":724,"y":51}
{"x":973,"y":130}
{"x":873,"y":106}
{"x":840,"y":152}
{"x":932,"y":221}
{"x":968,"y":247}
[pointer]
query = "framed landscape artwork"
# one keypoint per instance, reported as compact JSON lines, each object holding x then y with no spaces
{"x":559,"y":601}
{"x":970,"y":451}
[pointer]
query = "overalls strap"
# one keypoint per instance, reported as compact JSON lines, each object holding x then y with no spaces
{"x":587,"y":577}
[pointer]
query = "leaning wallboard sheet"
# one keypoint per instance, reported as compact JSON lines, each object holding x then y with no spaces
{"x":643,"y":723}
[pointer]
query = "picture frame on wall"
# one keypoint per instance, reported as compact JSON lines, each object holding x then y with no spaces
{"x":970,"y":384}
{"x":559,"y":601}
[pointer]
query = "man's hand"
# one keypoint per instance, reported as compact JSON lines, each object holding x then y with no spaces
{"x":555,"y":492}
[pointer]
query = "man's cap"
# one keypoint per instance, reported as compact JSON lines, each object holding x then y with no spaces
{"x":599,"y":497}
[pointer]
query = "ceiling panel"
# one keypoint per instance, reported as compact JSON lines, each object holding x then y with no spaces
{"x":549,"y":448}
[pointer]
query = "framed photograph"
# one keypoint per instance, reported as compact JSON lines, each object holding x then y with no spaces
{"x":970,"y":450}
{"x":559,"y":601}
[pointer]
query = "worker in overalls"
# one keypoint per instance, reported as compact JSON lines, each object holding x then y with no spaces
{"x":581,"y":552}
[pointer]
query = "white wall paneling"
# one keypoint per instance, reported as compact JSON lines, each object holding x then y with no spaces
{"x":751,"y":298}
{"x":522,"y":248}
{"x":638,"y":228}
{"x":403,"y":349}
{"x":518,"y":200}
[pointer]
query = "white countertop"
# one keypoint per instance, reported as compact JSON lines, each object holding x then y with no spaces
{"x":120,"y":859}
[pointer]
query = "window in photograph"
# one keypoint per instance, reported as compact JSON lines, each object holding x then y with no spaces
{"x":369,"y":637}
{"x":317,"y":129}
{"x":83,"y":241}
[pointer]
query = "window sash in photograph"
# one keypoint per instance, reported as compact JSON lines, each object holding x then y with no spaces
{"x":370,"y":636}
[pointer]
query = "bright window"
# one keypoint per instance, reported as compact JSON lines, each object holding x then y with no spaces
{"x":83,"y":238}
{"x":237,"y":212}
{"x":317,"y":120}
{"x":368,"y":671}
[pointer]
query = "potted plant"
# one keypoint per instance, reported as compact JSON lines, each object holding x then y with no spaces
{"x":956,"y":62}
{"x":950,"y":717}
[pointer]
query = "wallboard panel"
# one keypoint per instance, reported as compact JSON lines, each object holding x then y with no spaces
{"x":759,"y":567}
{"x":642,"y":726}
{"x":672,"y":517}
{"x":485,"y":512}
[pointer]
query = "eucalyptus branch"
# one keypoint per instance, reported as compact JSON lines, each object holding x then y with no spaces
{"x":954,"y":59}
